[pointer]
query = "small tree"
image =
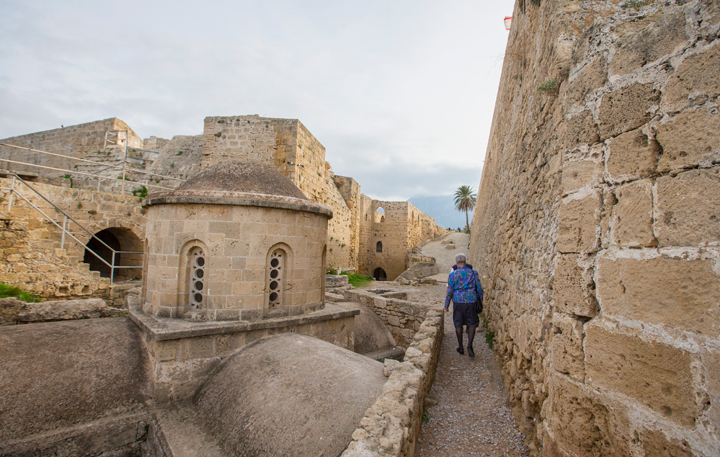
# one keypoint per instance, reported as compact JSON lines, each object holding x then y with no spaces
{"x":465,"y":199}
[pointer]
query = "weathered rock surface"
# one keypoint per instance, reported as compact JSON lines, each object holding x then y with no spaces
{"x":59,"y":310}
{"x":289,"y":395}
{"x":58,"y":379}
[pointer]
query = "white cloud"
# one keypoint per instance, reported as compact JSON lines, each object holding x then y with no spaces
{"x":401,"y":93}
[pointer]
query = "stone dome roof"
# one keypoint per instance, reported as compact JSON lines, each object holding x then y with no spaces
{"x":289,"y":394}
{"x":240,"y":184}
{"x":237,"y":176}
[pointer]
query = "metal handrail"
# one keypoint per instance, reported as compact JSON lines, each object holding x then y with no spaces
{"x":84,"y":160}
{"x":64,"y":226}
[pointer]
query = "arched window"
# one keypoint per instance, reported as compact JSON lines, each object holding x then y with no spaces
{"x":378,"y":246}
{"x":196,"y":280}
{"x":276,"y":278}
{"x":380,"y":215}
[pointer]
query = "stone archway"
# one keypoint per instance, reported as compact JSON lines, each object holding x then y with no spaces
{"x":128,"y":252}
{"x":379,"y":274}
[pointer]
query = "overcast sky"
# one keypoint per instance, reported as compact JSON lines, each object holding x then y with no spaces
{"x":400,"y":93}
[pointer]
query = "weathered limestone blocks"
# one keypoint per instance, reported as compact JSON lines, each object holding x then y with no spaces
{"x":690,"y":139}
{"x":687,"y":208}
{"x":391,"y":426}
{"x":572,"y":284}
{"x":335,"y":281}
{"x":403,"y":318}
{"x":631,"y":156}
{"x":579,"y":215}
{"x":417,"y":271}
{"x":655,"y":374}
{"x":184,"y":353}
{"x":681,"y":291}
{"x":597,"y":232}
{"x":633,"y":215}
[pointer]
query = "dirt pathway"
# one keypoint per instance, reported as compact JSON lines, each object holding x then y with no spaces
{"x":470,"y":417}
{"x":444,"y":257}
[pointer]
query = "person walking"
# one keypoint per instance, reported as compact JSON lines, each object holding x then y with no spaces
{"x":465,"y":291}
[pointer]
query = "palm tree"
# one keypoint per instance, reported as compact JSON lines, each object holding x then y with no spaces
{"x":465,"y":198}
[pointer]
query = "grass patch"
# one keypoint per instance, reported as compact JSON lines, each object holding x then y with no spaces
{"x":357,"y":280}
{"x":425,"y":417}
{"x":11,"y":291}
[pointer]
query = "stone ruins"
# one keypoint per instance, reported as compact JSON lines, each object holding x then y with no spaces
{"x":597,"y":233}
{"x":367,"y":236}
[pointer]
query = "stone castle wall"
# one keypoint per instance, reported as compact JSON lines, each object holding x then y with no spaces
{"x":284,"y":143}
{"x":31,"y":256}
{"x":598,"y":226}
{"x":400,"y":228}
{"x":78,"y":141}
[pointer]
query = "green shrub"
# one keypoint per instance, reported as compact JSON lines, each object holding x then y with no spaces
{"x":140,"y":192}
{"x":11,"y":291}
{"x":550,"y":87}
{"x":357,"y":280}
{"x":489,"y":338}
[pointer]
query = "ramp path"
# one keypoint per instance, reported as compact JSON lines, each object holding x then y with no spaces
{"x":445,"y":257}
{"x":471,"y":417}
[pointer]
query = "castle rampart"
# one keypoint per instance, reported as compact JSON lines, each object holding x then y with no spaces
{"x":598,"y":226}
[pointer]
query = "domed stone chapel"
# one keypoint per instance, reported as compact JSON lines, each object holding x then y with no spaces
{"x":234,"y":254}
{"x":238,"y":241}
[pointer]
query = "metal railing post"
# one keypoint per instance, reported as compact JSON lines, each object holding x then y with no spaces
{"x":112,"y":269}
{"x":64,"y":229}
{"x":10,"y":197}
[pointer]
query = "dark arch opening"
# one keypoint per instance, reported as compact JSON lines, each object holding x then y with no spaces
{"x":378,"y":246}
{"x":379,"y":274}
{"x":125,"y":243}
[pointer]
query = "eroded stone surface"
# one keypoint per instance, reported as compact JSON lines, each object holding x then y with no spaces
{"x":689,"y":139}
{"x":688,"y":208}
{"x":633,"y":215}
{"x":632,"y":155}
{"x":655,"y":374}
{"x":661,"y":290}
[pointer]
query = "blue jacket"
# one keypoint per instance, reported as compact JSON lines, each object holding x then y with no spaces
{"x":463,"y":286}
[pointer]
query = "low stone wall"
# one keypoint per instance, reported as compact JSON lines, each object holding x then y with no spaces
{"x":403,"y":318}
{"x":14,"y":311}
{"x":391,"y":426}
{"x":183,"y":353}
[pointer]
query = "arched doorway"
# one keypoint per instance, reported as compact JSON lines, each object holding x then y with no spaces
{"x":379,"y":274}
{"x":128,"y":253}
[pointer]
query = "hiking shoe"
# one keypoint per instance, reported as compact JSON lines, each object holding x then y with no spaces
{"x":471,"y":353}
{"x":460,"y":351}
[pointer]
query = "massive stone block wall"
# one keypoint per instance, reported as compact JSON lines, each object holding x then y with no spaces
{"x":31,"y":256}
{"x":598,"y":226}
{"x":76,"y":141}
